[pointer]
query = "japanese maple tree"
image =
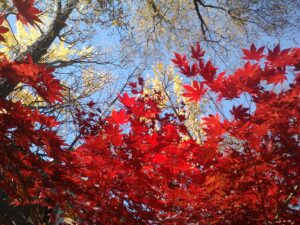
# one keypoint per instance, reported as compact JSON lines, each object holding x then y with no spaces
{"x":250,"y":160}
{"x":140,"y":165}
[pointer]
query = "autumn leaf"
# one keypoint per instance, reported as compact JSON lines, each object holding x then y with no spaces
{"x":91,"y":104}
{"x":197,"y":52}
{"x":278,"y":57}
{"x":119,"y":117}
{"x":253,"y":53}
{"x":179,"y":60}
{"x":208,"y":72}
{"x":194,"y":92}
{"x":189,"y":71}
{"x":26,"y":69}
{"x":126,"y":100}
{"x":48,"y":87}
{"x":159,"y":158}
{"x":240,"y":113}
{"x":27,"y":13}
{"x":274,"y":76}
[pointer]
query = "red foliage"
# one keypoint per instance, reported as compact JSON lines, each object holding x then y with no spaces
{"x":137,"y":166}
{"x":27,"y":13}
{"x":31,"y":152}
{"x":194,"y":92}
{"x":253,"y":54}
{"x":3,"y":29}
{"x":253,"y":178}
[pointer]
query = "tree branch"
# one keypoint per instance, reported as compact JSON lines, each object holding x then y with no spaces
{"x":39,"y":48}
{"x":285,"y":204}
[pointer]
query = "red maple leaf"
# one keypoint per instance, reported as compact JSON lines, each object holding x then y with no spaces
{"x":28,"y":70}
{"x":159,"y":158}
{"x":119,"y":117}
{"x":189,"y":71}
{"x":274,"y":76}
{"x":197,"y":52}
{"x":253,"y":53}
{"x":179,"y":60}
{"x":229,"y":88}
{"x":208,"y":72}
{"x":194,"y":92}
{"x":126,"y":100}
{"x":240,"y":113}
{"x":278,"y":57}
{"x":48,"y":87}
{"x":27,"y":13}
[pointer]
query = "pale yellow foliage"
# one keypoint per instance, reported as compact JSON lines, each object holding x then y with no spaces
{"x":4,"y":4}
{"x":93,"y":81}
{"x":159,"y":18}
{"x":177,"y":85}
{"x":85,"y":1}
{"x":25,"y":36}
{"x":68,"y":220}
{"x":27,"y":97}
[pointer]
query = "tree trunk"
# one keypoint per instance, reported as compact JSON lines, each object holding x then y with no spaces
{"x":39,"y":48}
